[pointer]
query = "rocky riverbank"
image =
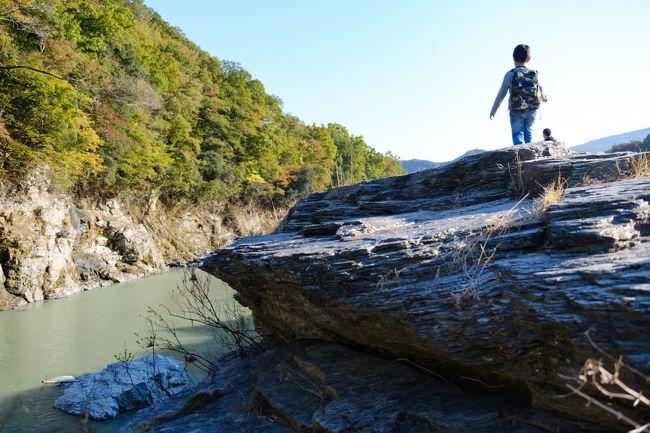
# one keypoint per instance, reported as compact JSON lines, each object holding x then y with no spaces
{"x":54,"y":244}
{"x":310,"y":386}
{"x":495,"y":278}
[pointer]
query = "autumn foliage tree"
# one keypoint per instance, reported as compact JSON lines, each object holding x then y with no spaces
{"x":109,"y":95}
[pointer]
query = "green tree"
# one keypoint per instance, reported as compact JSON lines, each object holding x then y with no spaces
{"x":109,"y":94}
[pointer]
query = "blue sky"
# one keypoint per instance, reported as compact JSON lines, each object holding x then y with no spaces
{"x":419,"y":77}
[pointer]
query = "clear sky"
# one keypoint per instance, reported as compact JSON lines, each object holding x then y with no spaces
{"x":418,"y":77}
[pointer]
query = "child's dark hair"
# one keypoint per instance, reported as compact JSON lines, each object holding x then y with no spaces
{"x":521,"y":53}
{"x":546,"y":132}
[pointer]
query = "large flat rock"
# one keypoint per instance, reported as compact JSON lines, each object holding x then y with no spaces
{"x":453,"y":270}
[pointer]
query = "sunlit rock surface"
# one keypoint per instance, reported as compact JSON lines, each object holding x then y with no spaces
{"x":54,"y":244}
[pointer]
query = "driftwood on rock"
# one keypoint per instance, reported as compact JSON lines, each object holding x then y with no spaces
{"x":452,"y":269}
{"x":58,"y":380}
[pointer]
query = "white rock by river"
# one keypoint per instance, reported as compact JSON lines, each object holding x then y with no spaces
{"x":124,"y":386}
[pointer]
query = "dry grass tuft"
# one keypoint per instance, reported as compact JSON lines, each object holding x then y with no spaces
{"x":639,"y":165}
{"x":502,"y":222}
{"x":472,"y":255}
{"x":470,"y":259}
{"x":466,"y":297}
{"x":588,"y":180}
{"x":499,"y":224}
{"x":553,"y":193}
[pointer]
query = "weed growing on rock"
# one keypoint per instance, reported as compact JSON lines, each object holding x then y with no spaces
{"x":472,"y":255}
{"x":588,"y":180}
{"x":472,"y":267}
{"x":639,"y":165}
{"x":502,"y":222}
{"x":553,"y":193}
{"x":389,"y":278}
{"x":125,"y":357}
{"x":516,"y":177}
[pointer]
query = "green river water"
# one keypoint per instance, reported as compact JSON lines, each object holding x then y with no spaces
{"x":77,"y":335}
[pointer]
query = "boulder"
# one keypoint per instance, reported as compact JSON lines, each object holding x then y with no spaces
{"x":124,"y":386}
{"x":9,"y":301}
{"x":460,"y":270}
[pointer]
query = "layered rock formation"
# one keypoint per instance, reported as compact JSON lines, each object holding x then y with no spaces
{"x":459,"y":270}
{"x":53,"y":244}
{"x":324,"y":387}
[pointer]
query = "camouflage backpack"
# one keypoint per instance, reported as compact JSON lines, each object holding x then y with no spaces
{"x":525,"y":93}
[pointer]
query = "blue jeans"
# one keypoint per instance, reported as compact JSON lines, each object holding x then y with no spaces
{"x":522,"y":126}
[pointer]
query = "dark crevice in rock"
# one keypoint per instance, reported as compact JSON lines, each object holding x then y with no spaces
{"x":193,"y":404}
{"x":4,"y":261}
{"x":406,"y":422}
{"x":261,"y":407}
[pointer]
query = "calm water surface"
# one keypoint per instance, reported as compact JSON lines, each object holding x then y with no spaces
{"x":78,"y":335}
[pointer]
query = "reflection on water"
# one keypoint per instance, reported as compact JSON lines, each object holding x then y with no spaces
{"x":78,"y":335}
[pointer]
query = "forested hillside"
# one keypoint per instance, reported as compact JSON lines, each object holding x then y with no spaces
{"x":115,"y":99}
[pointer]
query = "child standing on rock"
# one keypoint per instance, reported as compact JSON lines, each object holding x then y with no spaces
{"x":525,"y":96}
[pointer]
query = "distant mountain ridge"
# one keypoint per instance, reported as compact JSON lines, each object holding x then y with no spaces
{"x":598,"y":145}
{"x":414,"y":165}
{"x":603,"y":144}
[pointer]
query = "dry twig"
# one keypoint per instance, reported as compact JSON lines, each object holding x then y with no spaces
{"x":610,"y":385}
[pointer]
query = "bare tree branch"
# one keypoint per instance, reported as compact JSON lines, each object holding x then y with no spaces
{"x":613,"y":359}
{"x":227,"y":321}
{"x":606,"y":408}
{"x":610,"y":385}
{"x":8,"y":68}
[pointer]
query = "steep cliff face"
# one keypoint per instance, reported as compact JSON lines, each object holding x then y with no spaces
{"x":461,"y":270}
{"x":53,"y":244}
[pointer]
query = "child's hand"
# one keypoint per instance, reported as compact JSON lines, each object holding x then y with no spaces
{"x":491,"y":117}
